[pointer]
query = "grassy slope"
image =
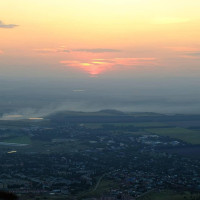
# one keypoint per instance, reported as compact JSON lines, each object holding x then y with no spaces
{"x":19,"y":140}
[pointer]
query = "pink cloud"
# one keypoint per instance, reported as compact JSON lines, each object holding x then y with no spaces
{"x":134,"y":61}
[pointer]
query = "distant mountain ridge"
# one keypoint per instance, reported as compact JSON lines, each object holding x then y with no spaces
{"x":106,"y":112}
{"x":115,"y":116}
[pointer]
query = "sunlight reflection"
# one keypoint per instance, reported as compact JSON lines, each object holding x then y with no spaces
{"x":99,"y":66}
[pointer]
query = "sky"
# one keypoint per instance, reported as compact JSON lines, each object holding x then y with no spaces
{"x":92,"y":42}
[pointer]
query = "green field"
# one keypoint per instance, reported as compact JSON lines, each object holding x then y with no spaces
{"x":138,"y":125}
{"x":103,"y":188}
{"x":19,"y":140}
{"x":186,"y":135}
{"x":170,"y":195}
{"x":16,"y":124}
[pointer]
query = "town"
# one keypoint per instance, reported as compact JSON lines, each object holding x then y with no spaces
{"x":74,"y":160}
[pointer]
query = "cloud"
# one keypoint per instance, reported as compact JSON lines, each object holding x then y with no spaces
{"x":2,"y":25}
{"x":186,"y":52}
{"x":97,"y":50}
{"x":134,"y":61}
{"x":52,"y":50}
{"x":190,"y":55}
{"x":197,"y":53}
{"x":183,"y":49}
{"x":63,"y":50}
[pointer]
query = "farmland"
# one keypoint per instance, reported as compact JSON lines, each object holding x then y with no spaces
{"x":186,"y":135}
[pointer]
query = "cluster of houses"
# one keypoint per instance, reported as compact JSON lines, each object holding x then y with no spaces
{"x":130,"y":161}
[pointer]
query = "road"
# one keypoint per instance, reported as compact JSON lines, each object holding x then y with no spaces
{"x":99,"y":181}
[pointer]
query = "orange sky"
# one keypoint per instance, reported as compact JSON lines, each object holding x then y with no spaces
{"x":95,"y":37}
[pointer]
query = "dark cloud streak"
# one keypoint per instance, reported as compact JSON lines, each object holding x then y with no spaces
{"x":197,"y":53}
{"x":9,"y":26}
{"x":98,"y":50}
